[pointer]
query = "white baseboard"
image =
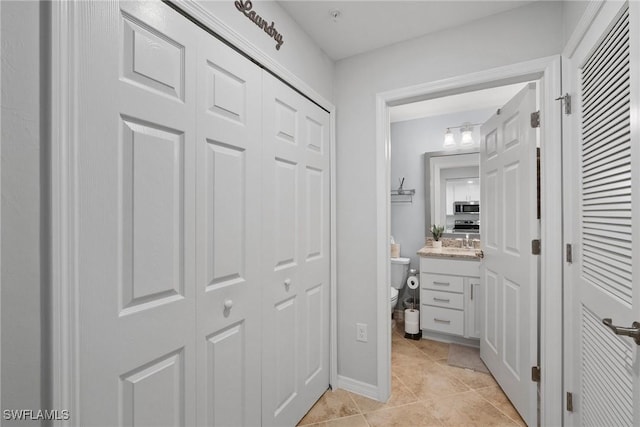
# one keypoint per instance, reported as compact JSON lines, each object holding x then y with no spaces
{"x":358,"y":387}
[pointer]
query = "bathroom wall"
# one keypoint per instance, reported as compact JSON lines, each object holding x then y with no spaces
{"x":529,"y":32}
{"x":409,"y":141}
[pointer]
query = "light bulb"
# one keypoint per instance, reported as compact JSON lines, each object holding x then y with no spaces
{"x":448,"y":139}
{"x":467,"y":138}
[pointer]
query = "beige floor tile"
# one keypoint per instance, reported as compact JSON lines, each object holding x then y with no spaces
{"x":400,"y":395}
{"x":405,"y":349}
{"x":472,"y":379}
{"x":496,"y":396}
{"x":352,"y":421}
{"x":332,"y":404}
{"x":434,"y":349}
{"x":413,"y":414}
{"x":432,"y":383}
{"x":409,"y":366}
{"x":468,"y":409}
{"x":425,"y":391}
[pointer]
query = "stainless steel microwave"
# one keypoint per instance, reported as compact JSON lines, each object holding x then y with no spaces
{"x":466,"y":208}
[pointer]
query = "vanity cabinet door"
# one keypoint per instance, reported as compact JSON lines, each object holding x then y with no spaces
{"x":472,"y":312}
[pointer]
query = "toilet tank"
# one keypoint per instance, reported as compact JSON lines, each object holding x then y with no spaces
{"x":399,"y":270}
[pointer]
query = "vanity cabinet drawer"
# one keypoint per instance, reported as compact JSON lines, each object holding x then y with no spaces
{"x":441,"y":282}
{"x":445,"y":320}
{"x":442,"y":299}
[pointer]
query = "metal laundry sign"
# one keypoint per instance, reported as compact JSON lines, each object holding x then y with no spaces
{"x":245,"y":6}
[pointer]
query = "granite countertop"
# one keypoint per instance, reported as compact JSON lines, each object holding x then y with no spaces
{"x":448,"y":252}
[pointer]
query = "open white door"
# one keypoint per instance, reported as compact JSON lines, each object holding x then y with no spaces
{"x":509,"y":272}
{"x":604,"y":183}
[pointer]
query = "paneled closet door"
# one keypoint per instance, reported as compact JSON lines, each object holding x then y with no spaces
{"x":295,"y":252}
{"x":228,"y":282}
{"x":134,"y":171}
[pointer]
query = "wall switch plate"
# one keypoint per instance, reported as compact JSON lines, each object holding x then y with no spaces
{"x":361,"y":332}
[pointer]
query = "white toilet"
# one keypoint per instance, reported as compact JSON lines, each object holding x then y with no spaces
{"x":399,"y":270}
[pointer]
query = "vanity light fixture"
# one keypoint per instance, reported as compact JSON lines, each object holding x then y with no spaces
{"x":466,"y":130}
{"x":448,"y":139}
{"x":467,"y":138}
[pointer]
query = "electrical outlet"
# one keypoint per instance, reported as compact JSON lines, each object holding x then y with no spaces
{"x":361,"y":332}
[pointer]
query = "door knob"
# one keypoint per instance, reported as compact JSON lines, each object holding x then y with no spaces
{"x":287,"y":283}
{"x":633,"y":331}
{"x":228,"y":304}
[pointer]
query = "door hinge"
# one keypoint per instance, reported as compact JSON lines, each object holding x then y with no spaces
{"x":566,"y":99}
{"x":535,"y":119}
{"x":569,"y":401}
{"x":569,"y":253}
{"x":535,"y":374}
{"x":535,"y":247}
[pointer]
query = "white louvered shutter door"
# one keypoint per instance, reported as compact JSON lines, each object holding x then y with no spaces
{"x":604,"y":372}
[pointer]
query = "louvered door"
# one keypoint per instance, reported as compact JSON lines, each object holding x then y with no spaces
{"x":605,"y":162}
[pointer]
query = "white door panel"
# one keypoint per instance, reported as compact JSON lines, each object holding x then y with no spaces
{"x":509,"y":271}
{"x":135,"y":195}
{"x":295,"y":254}
{"x":229,"y":287}
{"x":605,"y":188}
{"x":202,"y":209}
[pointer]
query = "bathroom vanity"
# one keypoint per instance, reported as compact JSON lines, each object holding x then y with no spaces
{"x":450,"y":294}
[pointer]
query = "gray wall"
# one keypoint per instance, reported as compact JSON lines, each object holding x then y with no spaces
{"x":24,"y":346}
{"x":409,"y":141}
{"x":529,"y":32}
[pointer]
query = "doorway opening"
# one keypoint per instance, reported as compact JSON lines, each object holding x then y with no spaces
{"x":547,"y":71}
{"x":445,"y":132}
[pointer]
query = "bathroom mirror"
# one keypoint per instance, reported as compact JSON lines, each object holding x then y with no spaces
{"x":452,"y":177}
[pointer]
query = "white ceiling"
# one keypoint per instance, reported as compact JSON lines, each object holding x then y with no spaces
{"x":367,"y":25}
{"x":487,"y":98}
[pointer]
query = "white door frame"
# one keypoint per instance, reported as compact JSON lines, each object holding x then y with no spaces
{"x":551,"y":174}
{"x":64,"y":64}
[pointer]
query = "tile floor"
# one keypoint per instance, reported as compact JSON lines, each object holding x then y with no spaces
{"x":425,"y":392}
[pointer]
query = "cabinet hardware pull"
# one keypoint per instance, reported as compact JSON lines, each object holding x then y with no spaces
{"x":441,"y":283}
{"x":441,"y":299}
{"x":441,"y":321}
{"x":472,"y":292}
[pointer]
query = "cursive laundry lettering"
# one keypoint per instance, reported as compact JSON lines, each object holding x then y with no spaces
{"x":245,"y":6}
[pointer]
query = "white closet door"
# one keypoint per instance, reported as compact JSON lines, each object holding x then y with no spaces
{"x":228,"y":235}
{"x":296,"y":267}
{"x":509,"y":272}
{"x":605,"y":160}
{"x":134,"y":197}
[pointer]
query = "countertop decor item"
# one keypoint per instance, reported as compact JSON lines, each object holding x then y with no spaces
{"x":436,"y":232}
